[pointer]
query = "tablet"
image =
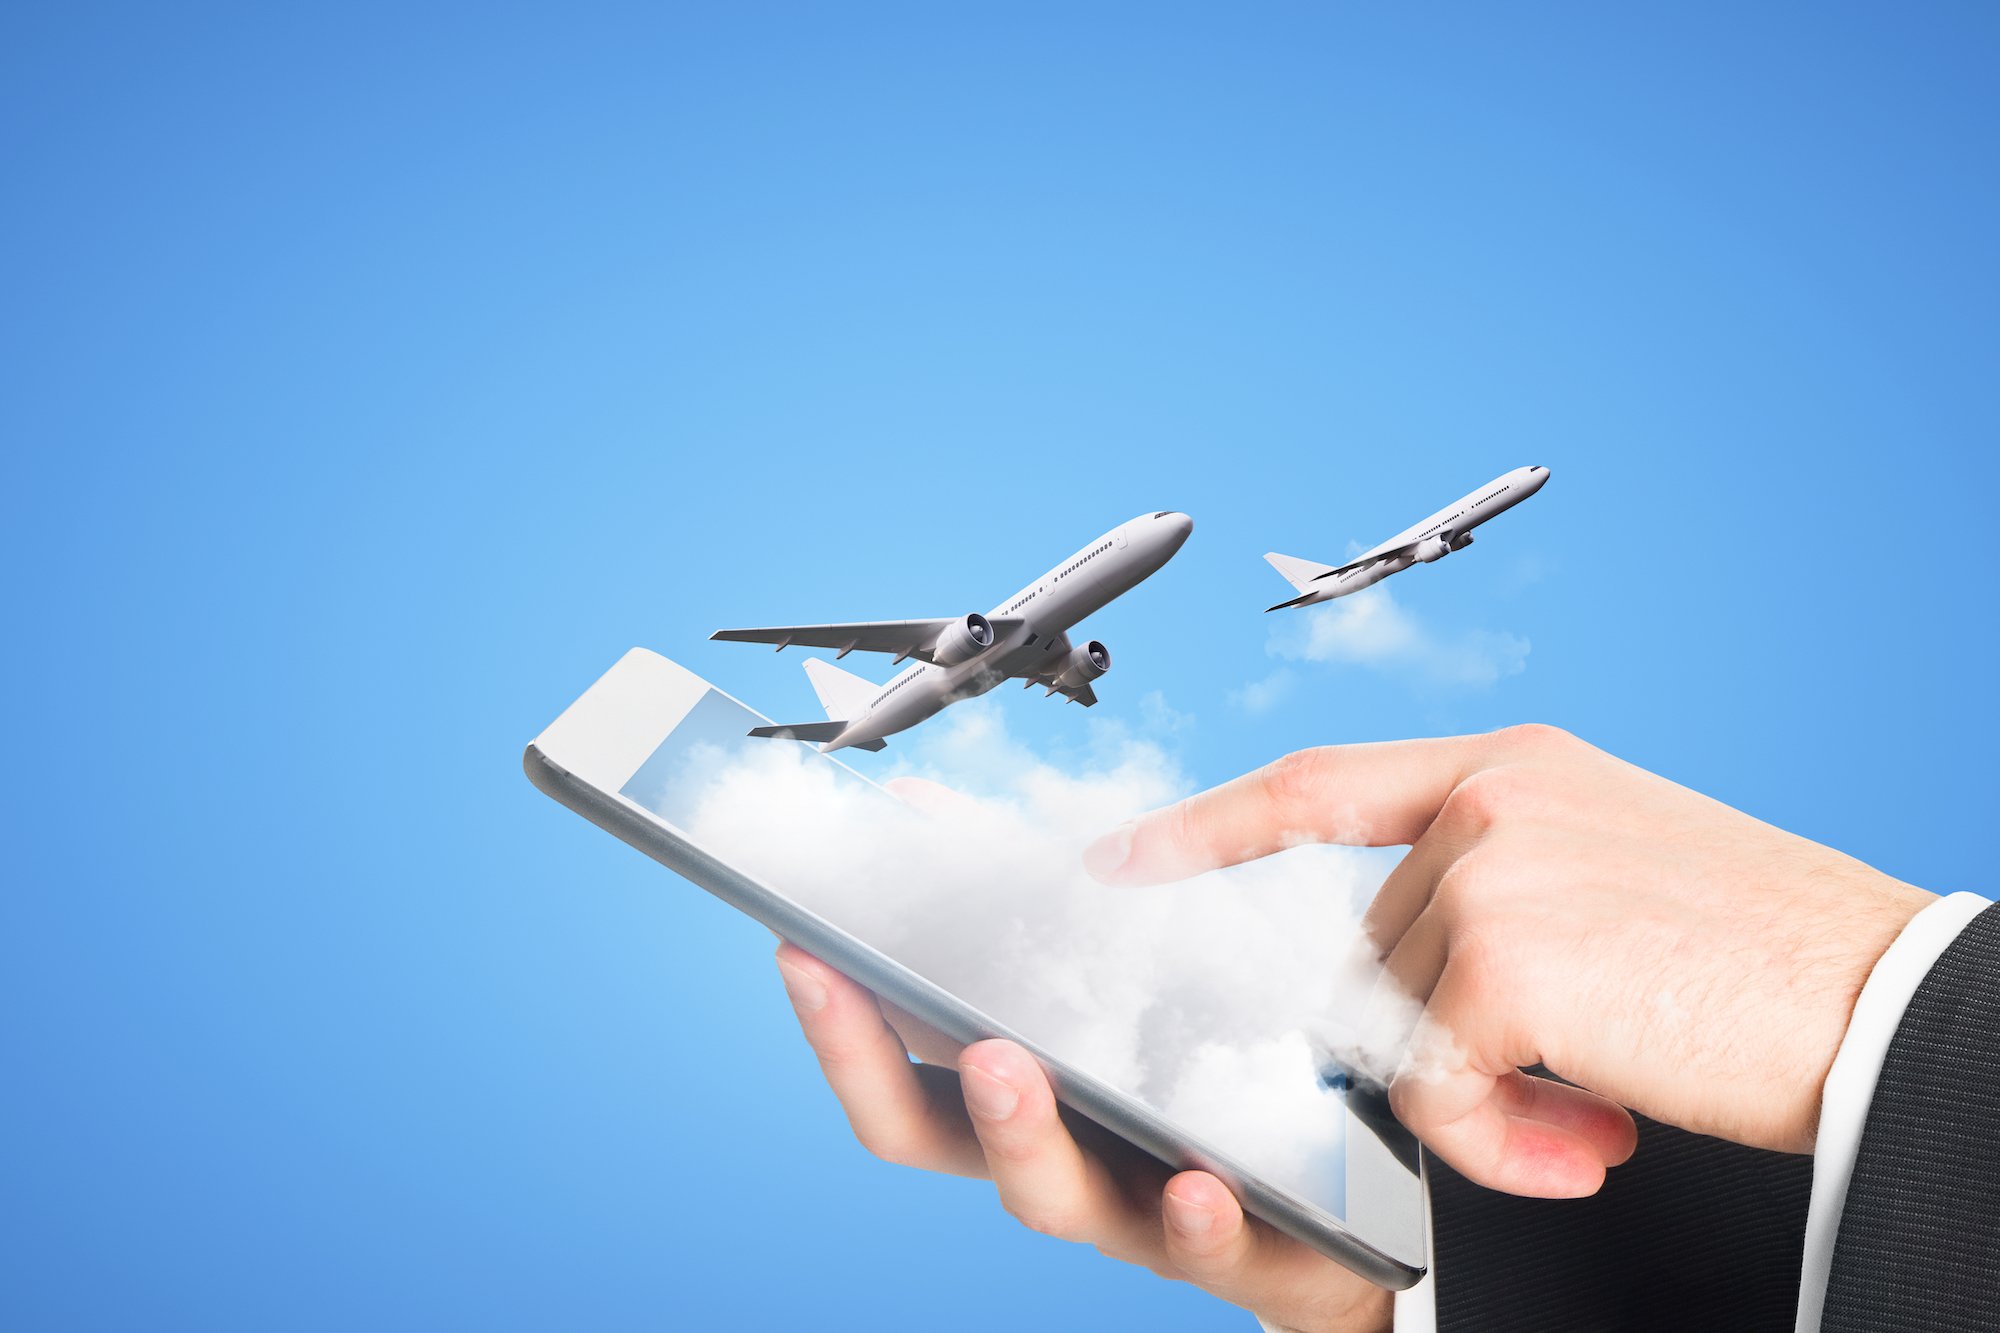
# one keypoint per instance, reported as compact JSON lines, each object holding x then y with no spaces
{"x":966,"y":927}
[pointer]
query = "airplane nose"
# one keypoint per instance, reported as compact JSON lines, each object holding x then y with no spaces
{"x":1182,"y":523}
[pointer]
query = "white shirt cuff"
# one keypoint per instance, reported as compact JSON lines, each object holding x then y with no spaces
{"x":1850,"y":1083}
{"x":1416,"y":1309}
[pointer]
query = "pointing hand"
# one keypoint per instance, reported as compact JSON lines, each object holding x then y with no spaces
{"x":1561,"y":907}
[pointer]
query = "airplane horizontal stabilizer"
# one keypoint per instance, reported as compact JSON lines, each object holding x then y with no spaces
{"x":802,"y":731}
{"x":1300,"y":600}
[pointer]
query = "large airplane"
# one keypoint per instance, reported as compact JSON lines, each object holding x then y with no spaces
{"x":1025,"y":637}
{"x":1448,"y":530}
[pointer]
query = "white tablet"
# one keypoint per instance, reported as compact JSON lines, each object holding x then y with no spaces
{"x":660,"y":758}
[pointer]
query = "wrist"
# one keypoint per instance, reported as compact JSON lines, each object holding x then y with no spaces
{"x":1373,"y":1311}
{"x":1878,"y":920}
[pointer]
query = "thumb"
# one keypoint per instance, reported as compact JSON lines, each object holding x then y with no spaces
{"x":1462,"y":1091}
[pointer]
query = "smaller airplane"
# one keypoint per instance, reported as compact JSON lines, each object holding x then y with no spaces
{"x":1448,"y":530}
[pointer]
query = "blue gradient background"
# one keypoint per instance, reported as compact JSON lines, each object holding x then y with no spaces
{"x":373,"y":378}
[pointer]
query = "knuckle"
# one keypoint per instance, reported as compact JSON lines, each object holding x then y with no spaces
{"x":1047,"y":1218}
{"x":1014,"y":1149}
{"x":1209,"y":1265}
{"x":840,"y":1055}
{"x":1482,"y":799}
{"x":1481,"y":959}
{"x":1296,"y":783}
{"x":1459,"y":887}
{"x":894,"y":1147}
{"x":1124,"y":1250}
{"x":1533,"y":737}
{"x":1406,"y":1099}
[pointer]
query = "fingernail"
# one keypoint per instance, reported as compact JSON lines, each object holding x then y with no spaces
{"x":1103,"y":857}
{"x":1188,"y":1216}
{"x":986,"y":1096}
{"x":808,"y":996}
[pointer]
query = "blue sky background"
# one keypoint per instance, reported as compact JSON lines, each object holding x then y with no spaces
{"x":371,"y":378}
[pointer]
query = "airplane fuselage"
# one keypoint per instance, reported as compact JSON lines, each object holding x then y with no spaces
{"x":1040,"y":617}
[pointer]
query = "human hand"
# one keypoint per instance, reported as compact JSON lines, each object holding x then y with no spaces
{"x":987,"y":1110}
{"x":1562,"y":907}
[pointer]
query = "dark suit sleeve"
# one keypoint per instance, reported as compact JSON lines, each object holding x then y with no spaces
{"x":1692,"y":1233}
{"x":1919,"y":1242}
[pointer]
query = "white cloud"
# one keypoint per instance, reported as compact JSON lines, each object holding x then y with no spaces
{"x":1162,"y":718}
{"x":1263,"y":694}
{"x":1217,"y":1000}
{"x":1372,"y":629}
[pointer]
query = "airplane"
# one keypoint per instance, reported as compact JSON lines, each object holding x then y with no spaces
{"x":1025,"y":637}
{"x":1448,"y":530}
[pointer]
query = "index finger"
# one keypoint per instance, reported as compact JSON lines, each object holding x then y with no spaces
{"x":1371,"y":795}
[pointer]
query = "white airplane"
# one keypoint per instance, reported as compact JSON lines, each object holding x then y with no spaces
{"x":1025,"y":637}
{"x":1448,"y":530}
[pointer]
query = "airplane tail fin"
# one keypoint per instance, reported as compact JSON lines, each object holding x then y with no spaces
{"x":1299,"y":573}
{"x":844,"y":695}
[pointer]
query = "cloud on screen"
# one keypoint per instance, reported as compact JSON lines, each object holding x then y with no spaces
{"x":1218,"y":1000}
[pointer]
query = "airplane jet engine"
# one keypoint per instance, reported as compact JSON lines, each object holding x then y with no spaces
{"x":1086,"y":663}
{"x":1432,"y":548}
{"x":1461,"y":541}
{"x":963,"y":640}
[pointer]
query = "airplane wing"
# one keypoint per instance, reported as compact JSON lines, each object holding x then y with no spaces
{"x":1362,"y":562}
{"x":1082,"y":694}
{"x":1056,"y":656}
{"x":904,"y":638}
{"x":1076,"y":694}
